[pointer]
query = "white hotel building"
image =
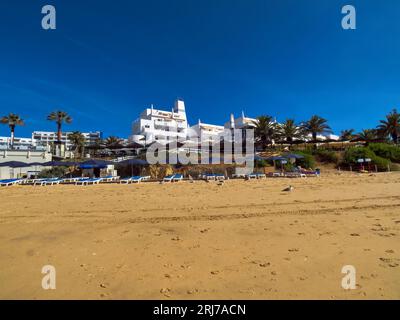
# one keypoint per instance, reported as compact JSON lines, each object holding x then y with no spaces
{"x":163,"y":126}
{"x":45,"y":138}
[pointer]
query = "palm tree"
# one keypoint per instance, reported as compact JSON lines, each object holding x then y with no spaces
{"x":290,"y":131}
{"x":78,"y":140}
{"x":391,"y":126}
{"x":12,"y":120}
{"x":347,"y":135}
{"x":113,"y":142}
{"x":59,"y":117}
{"x":316,"y":125}
{"x":265,"y":130}
{"x":367,"y":135}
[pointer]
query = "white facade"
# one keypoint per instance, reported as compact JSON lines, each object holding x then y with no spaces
{"x":47,"y":137}
{"x":23,"y":156}
{"x":19,"y":143}
{"x":159,"y":125}
{"x":240,"y":123}
{"x":207,"y":132}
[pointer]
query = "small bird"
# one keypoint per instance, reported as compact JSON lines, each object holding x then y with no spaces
{"x":288,"y":189}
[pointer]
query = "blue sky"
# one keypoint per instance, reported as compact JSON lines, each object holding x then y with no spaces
{"x":108,"y":60}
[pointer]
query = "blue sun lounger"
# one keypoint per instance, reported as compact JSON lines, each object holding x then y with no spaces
{"x":133,"y":179}
{"x":73,"y":179}
{"x":213,"y":176}
{"x":46,"y":182}
{"x":177,"y":177}
{"x":88,"y":181}
{"x":9,"y":182}
{"x":169,"y":178}
{"x":110,"y":178}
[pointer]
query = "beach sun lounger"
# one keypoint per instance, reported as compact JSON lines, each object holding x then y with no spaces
{"x":73,"y":180}
{"x":30,"y":181}
{"x":209,"y":177}
{"x":110,"y":178}
{"x":133,"y":179}
{"x":251,"y":176}
{"x":237,"y":176}
{"x":9,"y":182}
{"x":295,"y":175}
{"x":177,"y":177}
{"x":47,"y":182}
{"x":311,"y":173}
{"x":86,"y":182}
{"x":275,"y":174}
{"x":169,"y":178}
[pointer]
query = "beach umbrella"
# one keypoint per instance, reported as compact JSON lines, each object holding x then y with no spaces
{"x":134,"y":145}
{"x":293,"y":156}
{"x":14,"y":164}
{"x":93,"y":163}
{"x":259,"y":158}
{"x":133,"y":162}
{"x":58,"y":164}
{"x":35,"y":164}
{"x":277,"y":158}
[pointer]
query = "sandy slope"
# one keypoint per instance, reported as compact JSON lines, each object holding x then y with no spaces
{"x":245,"y":239}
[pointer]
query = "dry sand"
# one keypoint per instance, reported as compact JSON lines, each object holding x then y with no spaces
{"x":241,"y":240}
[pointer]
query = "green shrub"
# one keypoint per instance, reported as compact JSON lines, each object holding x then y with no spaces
{"x":353,"y":154}
{"x":381,"y":163}
{"x":307,"y":162}
{"x":326,"y":156}
{"x":261,"y":163}
{"x":54,"y":172}
{"x":288,"y":166}
{"x":387,"y":151}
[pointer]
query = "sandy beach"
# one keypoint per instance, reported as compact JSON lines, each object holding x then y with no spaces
{"x":241,"y":240}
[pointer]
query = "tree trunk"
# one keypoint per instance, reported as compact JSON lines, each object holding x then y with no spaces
{"x":12,"y":135}
{"x":59,"y":132}
{"x":395,"y":138}
{"x":314,"y":136}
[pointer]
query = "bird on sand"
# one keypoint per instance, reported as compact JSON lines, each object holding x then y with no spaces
{"x":288,"y":189}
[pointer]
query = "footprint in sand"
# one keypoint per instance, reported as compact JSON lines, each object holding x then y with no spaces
{"x":166,"y":292}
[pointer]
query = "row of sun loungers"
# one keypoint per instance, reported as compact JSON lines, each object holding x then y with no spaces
{"x":9,"y":182}
{"x":137,"y":179}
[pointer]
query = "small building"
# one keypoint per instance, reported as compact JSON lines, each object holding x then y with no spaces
{"x":26,"y":156}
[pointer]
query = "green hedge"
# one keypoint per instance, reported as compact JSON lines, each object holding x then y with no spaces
{"x":307,"y":162}
{"x":323,"y":155}
{"x":353,"y":154}
{"x":387,"y":151}
{"x":55,"y":172}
